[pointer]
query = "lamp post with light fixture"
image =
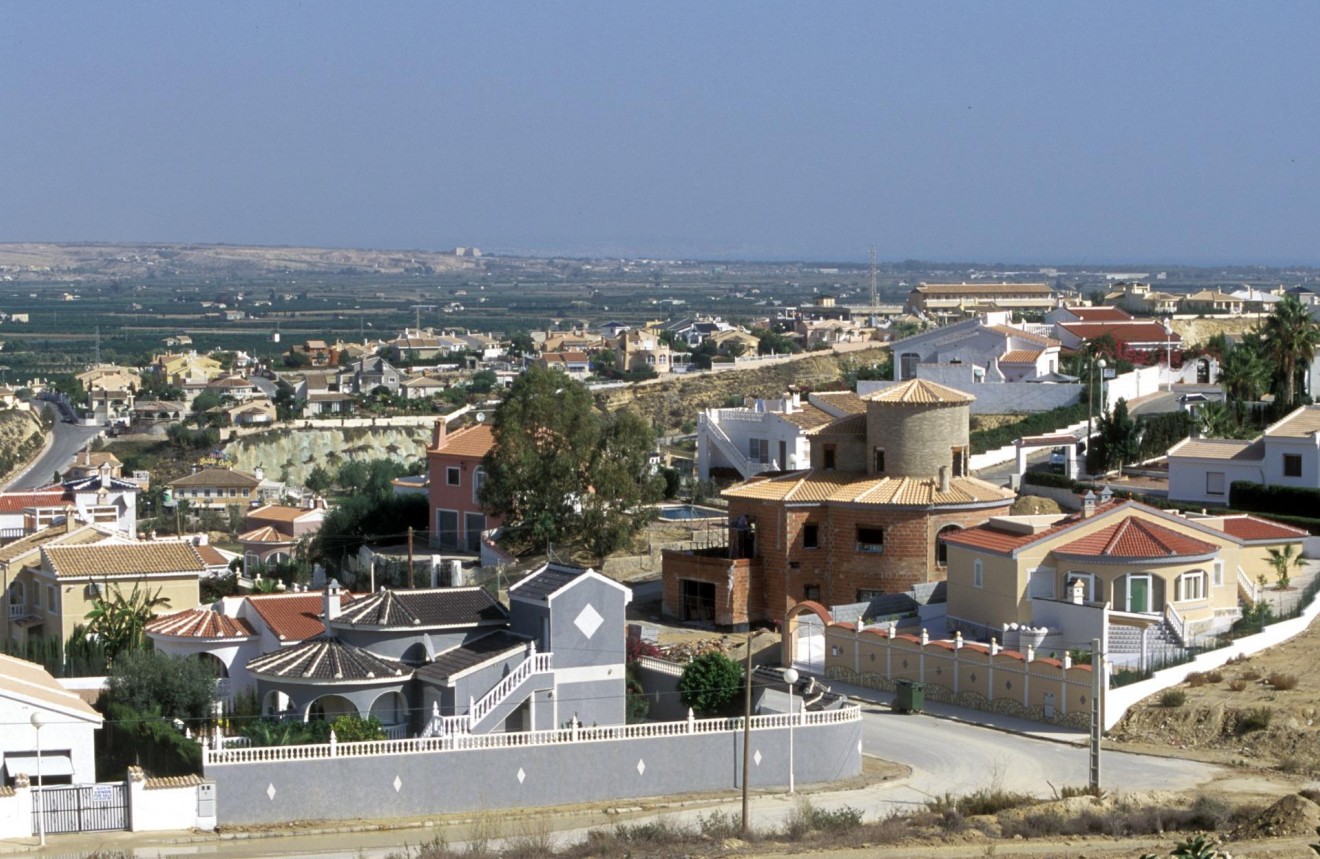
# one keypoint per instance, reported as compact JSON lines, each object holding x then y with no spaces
{"x":791,"y":678}
{"x":38,"y":721}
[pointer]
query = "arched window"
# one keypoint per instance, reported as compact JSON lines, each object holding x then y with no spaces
{"x":941,"y":548}
{"x":1092,"y":586}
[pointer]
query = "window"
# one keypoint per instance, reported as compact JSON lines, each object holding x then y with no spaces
{"x":1191,"y":586}
{"x":907,"y":366}
{"x":811,"y":536}
{"x":1292,"y":465}
{"x":828,"y":454}
{"x":870,"y":539}
{"x":868,"y":594}
{"x":811,"y":592}
{"x":942,"y":548}
{"x":960,"y":462}
{"x":978,"y":574}
{"x":1219,"y":573}
{"x":52,"y":598}
{"x":758,"y":449}
{"x":451,"y":476}
{"x":478,"y":481}
{"x":446,"y":529}
{"x":879,"y":460}
{"x":1214,"y":483}
{"x":1040,"y":583}
{"x":36,"y":596}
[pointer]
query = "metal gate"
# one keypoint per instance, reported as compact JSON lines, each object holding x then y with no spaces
{"x":809,"y":643}
{"x":80,"y":807}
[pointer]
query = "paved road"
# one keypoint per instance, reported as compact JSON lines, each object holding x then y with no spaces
{"x":945,"y":757}
{"x":69,"y":439}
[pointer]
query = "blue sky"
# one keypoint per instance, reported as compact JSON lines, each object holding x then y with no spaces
{"x":1015,"y":132}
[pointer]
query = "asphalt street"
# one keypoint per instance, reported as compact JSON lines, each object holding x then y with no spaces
{"x":945,"y":757}
{"x":69,"y":439}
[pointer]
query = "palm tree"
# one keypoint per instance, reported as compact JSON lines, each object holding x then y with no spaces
{"x":1243,"y":372}
{"x":1282,"y":560}
{"x":1291,"y":337}
{"x":120,"y":622}
{"x":1217,"y":421}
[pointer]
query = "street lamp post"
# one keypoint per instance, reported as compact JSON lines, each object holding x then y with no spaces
{"x":1168,"y":347}
{"x":791,"y":678}
{"x":38,"y":720}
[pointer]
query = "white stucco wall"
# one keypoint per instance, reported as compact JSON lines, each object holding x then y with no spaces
{"x":742,"y":425}
{"x":16,"y":814}
{"x":165,"y":809}
{"x":63,"y":733}
{"x":1187,"y":478}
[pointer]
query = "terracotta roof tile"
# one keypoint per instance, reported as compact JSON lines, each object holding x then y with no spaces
{"x":1132,"y":537}
{"x":293,"y":617}
{"x":1100,"y":314}
{"x":845,"y":401}
{"x":808,"y":417}
{"x":1021,"y":334}
{"x":277,"y":513}
{"x":265,"y":534}
{"x":201,"y":623}
{"x":217,"y":477}
{"x":1122,"y":332}
{"x":848,"y":425}
{"x":919,"y":392}
{"x":17,"y":502}
{"x":122,"y":559}
{"x":999,"y":540}
{"x":475,"y":442}
{"x":1301,"y":423}
{"x":1253,"y":528}
{"x":847,"y":488}
{"x":211,"y":556}
{"x":1021,"y":356}
{"x":168,"y":781}
{"x":1219,"y":448}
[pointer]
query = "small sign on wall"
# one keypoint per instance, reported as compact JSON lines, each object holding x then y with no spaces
{"x":102,"y":793}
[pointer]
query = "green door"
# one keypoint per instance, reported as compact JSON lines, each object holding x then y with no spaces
{"x":1139,"y":594}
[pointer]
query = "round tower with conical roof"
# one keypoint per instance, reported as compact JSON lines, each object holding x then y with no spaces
{"x":917,"y":429}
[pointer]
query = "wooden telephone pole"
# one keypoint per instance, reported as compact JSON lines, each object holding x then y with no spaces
{"x":411,"y":583}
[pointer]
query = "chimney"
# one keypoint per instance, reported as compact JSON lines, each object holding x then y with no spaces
{"x":944,"y":478}
{"x":105,"y":475}
{"x":330,"y":604}
{"x":259,"y":473}
{"x":70,"y":518}
{"x":1078,"y":592}
{"x":438,"y":434}
{"x":1088,"y":504}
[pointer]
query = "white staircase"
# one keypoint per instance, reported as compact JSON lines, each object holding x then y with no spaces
{"x":479,"y":709}
{"x":720,"y":439}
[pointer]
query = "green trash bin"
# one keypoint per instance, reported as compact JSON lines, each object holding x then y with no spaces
{"x":911,"y":696}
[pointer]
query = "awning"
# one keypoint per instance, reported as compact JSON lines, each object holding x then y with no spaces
{"x":52,"y":764}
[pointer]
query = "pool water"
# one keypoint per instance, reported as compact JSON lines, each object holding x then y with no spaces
{"x":686,"y":512}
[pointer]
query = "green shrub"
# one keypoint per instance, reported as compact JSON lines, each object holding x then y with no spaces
{"x":1047,"y":478}
{"x":1255,"y":719}
{"x":1173,"y":698}
{"x":146,"y":739}
{"x":1260,"y":498}
{"x":355,"y":729}
{"x":1034,"y":424}
{"x":710,"y":684}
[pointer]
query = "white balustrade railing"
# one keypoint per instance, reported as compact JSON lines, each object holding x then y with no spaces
{"x":575,"y":734}
{"x":1247,"y":586}
{"x":395,"y":732}
{"x":1175,"y":620}
{"x":536,"y":663}
{"x":662,"y":666}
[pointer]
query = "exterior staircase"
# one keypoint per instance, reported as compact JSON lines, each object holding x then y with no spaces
{"x":720,"y":439}
{"x":1162,"y":643}
{"x":534,"y":674}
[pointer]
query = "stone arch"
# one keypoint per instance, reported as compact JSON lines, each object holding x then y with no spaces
{"x":215,"y":663}
{"x":330,"y":707}
{"x":390,"y":708}
{"x":275,"y":703}
{"x":942,"y":550}
{"x":789,"y":629}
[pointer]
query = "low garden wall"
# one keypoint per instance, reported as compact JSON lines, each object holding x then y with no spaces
{"x":488,"y":772}
{"x":964,"y":674}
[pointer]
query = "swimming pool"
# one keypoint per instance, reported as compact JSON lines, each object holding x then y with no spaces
{"x":686,"y":512}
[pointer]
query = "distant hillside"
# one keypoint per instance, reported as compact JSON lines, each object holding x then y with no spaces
{"x":672,"y":401}
{"x":21,"y":439}
{"x":94,"y":262}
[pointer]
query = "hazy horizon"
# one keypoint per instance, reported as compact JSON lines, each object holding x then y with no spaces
{"x":1121,"y":135}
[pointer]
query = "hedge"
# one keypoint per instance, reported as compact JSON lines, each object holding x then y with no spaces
{"x":1047,"y":478}
{"x":1040,"y":423}
{"x":1258,"y":497}
{"x":131,"y":738}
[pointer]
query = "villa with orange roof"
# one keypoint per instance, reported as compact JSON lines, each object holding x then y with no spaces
{"x":860,"y":522}
{"x":1138,"y":578}
{"x":1000,"y":353}
{"x":453,"y":463}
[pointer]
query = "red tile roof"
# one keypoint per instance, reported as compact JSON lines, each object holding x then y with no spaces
{"x":201,"y":623}
{"x":475,"y":442}
{"x":211,"y":556}
{"x":998,"y":540}
{"x":17,"y":502}
{"x":1123,"y":332}
{"x":1132,"y":537}
{"x":293,"y":617}
{"x":1100,"y":314}
{"x":1252,"y":528}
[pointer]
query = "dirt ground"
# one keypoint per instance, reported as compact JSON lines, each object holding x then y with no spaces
{"x":1222,"y":715}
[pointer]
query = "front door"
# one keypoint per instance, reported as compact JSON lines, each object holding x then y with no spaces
{"x":1139,"y":593}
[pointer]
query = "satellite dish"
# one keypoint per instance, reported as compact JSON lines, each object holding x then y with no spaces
{"x":481,"y":417}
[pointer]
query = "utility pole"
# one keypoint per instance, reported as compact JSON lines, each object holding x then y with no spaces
{"x":874,"y":312}
{"x":411,"y":584}
{"x":747,"y":732}
{"x":1097,"y":710}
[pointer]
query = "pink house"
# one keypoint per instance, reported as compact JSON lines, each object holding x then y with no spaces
{"x":453,"y":462}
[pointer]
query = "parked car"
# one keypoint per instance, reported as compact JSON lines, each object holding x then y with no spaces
{"x":1059,"y":460}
